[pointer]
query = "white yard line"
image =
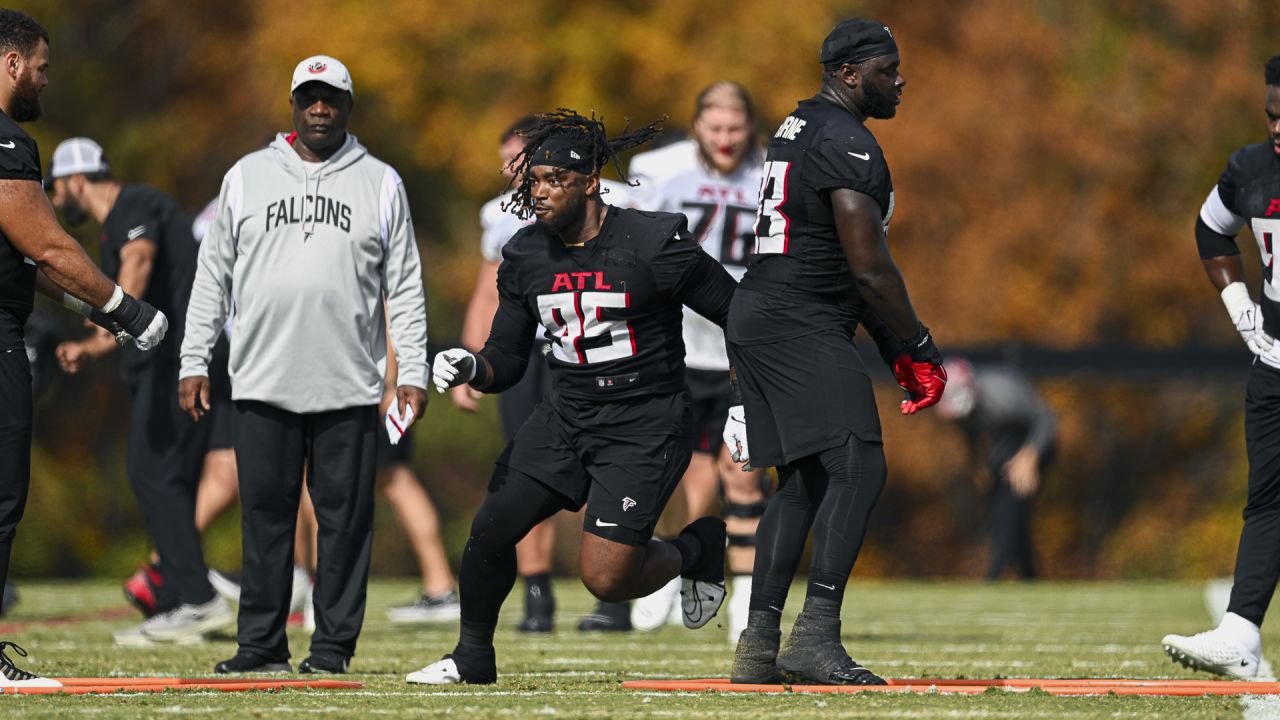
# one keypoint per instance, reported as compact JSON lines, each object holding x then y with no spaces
{"x":1217,"y":593}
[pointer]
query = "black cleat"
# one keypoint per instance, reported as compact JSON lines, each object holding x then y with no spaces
{"x":324,"y":663}
{"x":246,"y":662}
{"x":813,"y":655}
{"x":539,"y":610}
{"x":755,"y":662}
{"x":608,"y":617}
{"x":536,"y":624}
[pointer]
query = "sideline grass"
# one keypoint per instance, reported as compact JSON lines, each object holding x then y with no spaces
{"x":950,"y":630}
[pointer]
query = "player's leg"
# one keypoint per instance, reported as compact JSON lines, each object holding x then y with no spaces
{"x":744,"y":504}
{"x":417,"y":515}
{"x":1234,"y":648}
{"x":219,"y":487}
{"x":343,"y":461}
{"x":1002,"y":506}
{"x":270,"y":448}
{"x":15,"y":479}
{"x":515,"y":504}
{"x":533,"y":563}
{"x":846,"y":486}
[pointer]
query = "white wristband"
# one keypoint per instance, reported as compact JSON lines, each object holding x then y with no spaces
{"x":72,"y":302}
{"x":117,"y":296}
{"x":1236,"y":297}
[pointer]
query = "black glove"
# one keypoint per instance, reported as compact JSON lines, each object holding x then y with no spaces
{"x":146,"y":324}
{"x":99,"y":318}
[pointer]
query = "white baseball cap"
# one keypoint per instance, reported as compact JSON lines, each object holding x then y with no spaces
{"x":322,"y":68}
{"x":77,"y":155}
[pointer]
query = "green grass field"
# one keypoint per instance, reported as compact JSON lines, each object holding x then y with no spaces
{"x":900,"y":629}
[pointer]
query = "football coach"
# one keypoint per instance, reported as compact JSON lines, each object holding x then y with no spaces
{"x":310,"y":234}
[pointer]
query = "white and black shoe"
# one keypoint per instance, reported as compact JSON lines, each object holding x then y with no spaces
{"x":702,"y":585}
{"x":1213,"y":651}
{"x":12,"y":676}
{"x":427,"y":609}
{"x":453,"y":669}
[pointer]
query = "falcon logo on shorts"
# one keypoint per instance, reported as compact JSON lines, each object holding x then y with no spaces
{"x":317,"y":67}
{"x":627,"y":504}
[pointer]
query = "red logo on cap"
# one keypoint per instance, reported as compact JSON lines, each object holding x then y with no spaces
{"x":317,"y":67}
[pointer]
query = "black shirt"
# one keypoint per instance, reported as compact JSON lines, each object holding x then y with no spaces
{"x":19,"y":160}
{"x":1250,"y":188}
{"x":799,"y":274}
{"x":144,"y":212}
{"x":611,"y":310}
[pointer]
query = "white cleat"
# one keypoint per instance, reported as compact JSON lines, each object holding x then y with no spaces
{"x":188,"y":624}
{"x":700,"y":600}
{"x":1212,"y":651}
{"x":12,"y":676}
{"x":440,"y":672}
{"x":226,"y":588}
{"x":652,"y":611}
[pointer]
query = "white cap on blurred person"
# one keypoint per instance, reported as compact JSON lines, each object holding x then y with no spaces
{"x":322,"y":68}
{"x":961,"y":395}
{"x":77,"y":155}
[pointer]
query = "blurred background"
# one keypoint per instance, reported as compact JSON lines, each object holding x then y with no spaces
{"x":1049,"y":158}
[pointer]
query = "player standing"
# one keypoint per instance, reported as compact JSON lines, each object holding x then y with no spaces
{"x":606,"y":285}
{"x":712,"y":178}
{"x":310,"y":235}
{"x":1248,"y":193}
{"x":31,"y":240}
{"x":147,"y":247}
{"x":821,"y":266}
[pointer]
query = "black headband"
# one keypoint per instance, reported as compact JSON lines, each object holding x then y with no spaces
{"x":571,"y":151}
{"x":857,"y":40}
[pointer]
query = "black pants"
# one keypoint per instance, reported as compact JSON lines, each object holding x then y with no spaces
{"x":15,"y":447}
{"x":1010,"y":530}
{"x":340,"y":450}
{"x":164,"y":457}
{"x":1258,"y":560}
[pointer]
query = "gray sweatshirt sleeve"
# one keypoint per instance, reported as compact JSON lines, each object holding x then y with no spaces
{"x":211,"y":292}
{"x":402,"y":282}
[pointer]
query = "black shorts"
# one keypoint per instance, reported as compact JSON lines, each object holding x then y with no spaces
{"x":390,"y":455}
{"x":709,"y":391}
{"x":804,"y":395}
{"x":624,"y":479}
{"x":517,"y":403}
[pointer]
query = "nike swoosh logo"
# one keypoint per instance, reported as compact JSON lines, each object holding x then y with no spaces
{"x":601,"y":523}
{"x":8,"y":145}
{"x":829,"y":587}
{"x":863,"y":156}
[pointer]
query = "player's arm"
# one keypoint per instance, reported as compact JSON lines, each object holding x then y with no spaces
{"x":1216,"y":228}
{"x":918,"y":363}
{"x":210,"y":297}
{"x":505,"y":355}
{"x":27,"y":219}
{"x":50,"y":289}
{"x":405,"y":297}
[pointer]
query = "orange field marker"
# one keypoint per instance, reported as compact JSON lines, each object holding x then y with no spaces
{"x":84,"y":686}
{"x":1053,"y":686}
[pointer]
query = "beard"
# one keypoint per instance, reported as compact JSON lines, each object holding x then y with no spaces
{"x":24,"y":106}
{"x":572,"y":213}
{"x":72,"y":214}
{"x":876,"y":104}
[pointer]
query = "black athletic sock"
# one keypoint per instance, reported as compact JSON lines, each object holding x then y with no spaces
{"x":538,"y":584}
{"x":690,"y":550}
{"x":538,"y":600}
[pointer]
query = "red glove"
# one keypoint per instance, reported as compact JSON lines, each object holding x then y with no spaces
{"x":923,"y":381}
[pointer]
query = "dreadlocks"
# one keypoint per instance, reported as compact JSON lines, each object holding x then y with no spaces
{"x":567,"y":139}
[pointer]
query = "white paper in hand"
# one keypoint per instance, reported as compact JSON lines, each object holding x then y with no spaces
{"x":397,"y":425}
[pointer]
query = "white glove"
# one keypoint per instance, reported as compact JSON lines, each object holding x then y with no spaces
{"x":452,"y":367}
{"x":154,"y":333}
{"x":1247,"y":315}
{"x":735,"y":436}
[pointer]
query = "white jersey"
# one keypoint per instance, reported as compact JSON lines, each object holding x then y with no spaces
{"x":497,"y":225}
{"x":721,"y":210}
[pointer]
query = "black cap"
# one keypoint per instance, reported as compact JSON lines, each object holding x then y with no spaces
{"x":856,"y":40}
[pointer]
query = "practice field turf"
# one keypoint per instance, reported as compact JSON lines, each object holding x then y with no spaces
{"x":942,"y":630}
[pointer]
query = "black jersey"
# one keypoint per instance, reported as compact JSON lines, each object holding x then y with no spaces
{"x":799,"y":268}
{"x":19,"y":160}
{"x":611,"y":310}
{"x":144,"y":212}
{"x":1250,"y":190}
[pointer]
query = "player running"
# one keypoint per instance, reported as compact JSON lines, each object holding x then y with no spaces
{"x":820,"y":267}
{"x":607,"y":285}
{"x":714,"y":179}
{"x":1248,"y":193}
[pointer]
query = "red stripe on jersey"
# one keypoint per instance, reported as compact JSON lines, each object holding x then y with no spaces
{"x":582,"y":323}
{"x":631,"y":332}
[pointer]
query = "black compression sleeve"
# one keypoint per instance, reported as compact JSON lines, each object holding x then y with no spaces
{"x":708,"y":289}
{"x":510,"y":340}
{"x":1213,"y":244}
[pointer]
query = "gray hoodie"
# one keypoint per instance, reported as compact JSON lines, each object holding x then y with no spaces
{"x":305,"y":253}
